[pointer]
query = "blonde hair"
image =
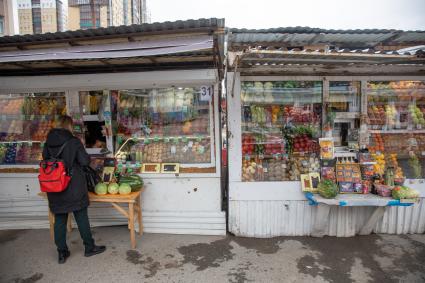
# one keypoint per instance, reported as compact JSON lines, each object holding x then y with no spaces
{"x":64,"y":122}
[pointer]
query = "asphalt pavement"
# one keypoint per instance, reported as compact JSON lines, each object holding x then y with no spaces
{"x":28,"y":256}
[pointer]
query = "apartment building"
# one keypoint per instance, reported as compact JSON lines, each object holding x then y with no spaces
{"x":85,"y":14}
{"x":9,"y":24}
{"x":41,"y":16}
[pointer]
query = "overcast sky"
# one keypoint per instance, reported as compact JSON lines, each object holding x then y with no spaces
{"x":335,"y":14}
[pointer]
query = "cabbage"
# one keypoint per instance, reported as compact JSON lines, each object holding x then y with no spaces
{"x":124,"y":189}
{"x":327,"y":189}
{"x":113,"y":188}
{"x":101,"y":189}
{"x":403,"y":192}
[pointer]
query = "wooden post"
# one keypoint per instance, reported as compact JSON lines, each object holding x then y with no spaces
{"x":139,"y":216}
{"x":131,"y":220}
{"x":68,"y":223}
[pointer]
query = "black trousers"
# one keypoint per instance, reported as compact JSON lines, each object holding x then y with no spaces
{"x":82,"y":220}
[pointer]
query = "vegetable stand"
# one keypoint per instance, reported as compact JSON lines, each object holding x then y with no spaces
{"x":324,"y":205}
{"x":299,"y":115}
{"x":158,"y":106}
{"x":134,"y":211}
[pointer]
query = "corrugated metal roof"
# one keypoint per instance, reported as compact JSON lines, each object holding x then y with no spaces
{"x":107,"y":51}
{"x":169,"y":27}
{"x":301,"y":36}
{"x":299,"y":29}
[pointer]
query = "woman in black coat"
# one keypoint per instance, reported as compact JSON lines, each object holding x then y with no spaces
{"x":75,"y":197}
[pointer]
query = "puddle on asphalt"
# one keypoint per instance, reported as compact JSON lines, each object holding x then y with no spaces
{"x":34,"y":278}
{"x":147,"y":263}
{"x":10,"y":235}
{"x":206,"y":255}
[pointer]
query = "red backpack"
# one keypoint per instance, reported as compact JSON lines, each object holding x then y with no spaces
{"x":53,"y":176}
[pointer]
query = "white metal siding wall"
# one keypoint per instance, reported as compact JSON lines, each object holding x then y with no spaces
{"x":264,"y":219}
{"x":169,"y":206}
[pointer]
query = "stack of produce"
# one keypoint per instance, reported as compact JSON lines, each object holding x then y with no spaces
{"x":248,"y":142}
{"x":304,"y":143}
{"x":12,"y":106}
{"x":403,"y":192}
{"x":274,"y":145}
{"x":249,"y":170}
{"x":275,"y":170}
{"x":327,"y":189}
{"x":393,"y":162}
{"x":417,"y":115}
{"x":134,"y":181}
{"x":303,"y":165}
{"x":10,"y":154}
{"x":258,"y":114}
{"x":23,"y":154}
{"x":3,"y":150}
{"x":391,"y":115}
{"x":153,"y":152}
{"x":379,"y":167}
{"x":415,"y":166}
{"x":378,"y":143}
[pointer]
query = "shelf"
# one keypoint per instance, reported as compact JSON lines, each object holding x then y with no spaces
{"x":11,"y":142}
{"x":397,"y":131}
{"x":24,"y":117}
{"x":171,"y":138}
{"x":91,"y":118}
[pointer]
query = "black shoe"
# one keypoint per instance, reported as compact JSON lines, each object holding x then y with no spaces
{"x":63,"y":256}
{"x":94,"y":251}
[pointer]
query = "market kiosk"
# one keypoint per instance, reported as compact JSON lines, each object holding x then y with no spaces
{"x":299,"y":115}
{"x":145,"y":95}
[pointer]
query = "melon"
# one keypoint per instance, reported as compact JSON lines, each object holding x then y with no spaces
{"x":124,"y":189}
{"x":113,"y":188}
{"x":101,"y":189}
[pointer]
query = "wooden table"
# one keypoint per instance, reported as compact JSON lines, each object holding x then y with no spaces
{"x":134,"y":207}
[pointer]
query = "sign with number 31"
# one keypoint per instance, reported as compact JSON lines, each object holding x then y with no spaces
{"x":206,"y":93}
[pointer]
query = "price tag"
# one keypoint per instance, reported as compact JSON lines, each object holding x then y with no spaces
{"x":199,"y":139}
{"x":176,"y":140}
{"x":206,"y":93}
{"x":184,"y":139}
{"x":126,"y":112}
{"x":247,"y":157}
{"x":42,"y":144}
{"x":156,"y":139}
{"x":147,"y":141}
{"x":190,"y":144}
{"x":166,"y":140}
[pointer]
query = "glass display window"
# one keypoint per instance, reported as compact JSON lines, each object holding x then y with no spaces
{"x":25,"y":122}
{"x":281,"y":124}
{"x":343,"y":112}
{"x":165,"y":125}
{"x":344,"y":96}
{"x":396,"y":111}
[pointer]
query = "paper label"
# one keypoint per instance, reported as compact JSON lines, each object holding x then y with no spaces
{"x":206,"y":93}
